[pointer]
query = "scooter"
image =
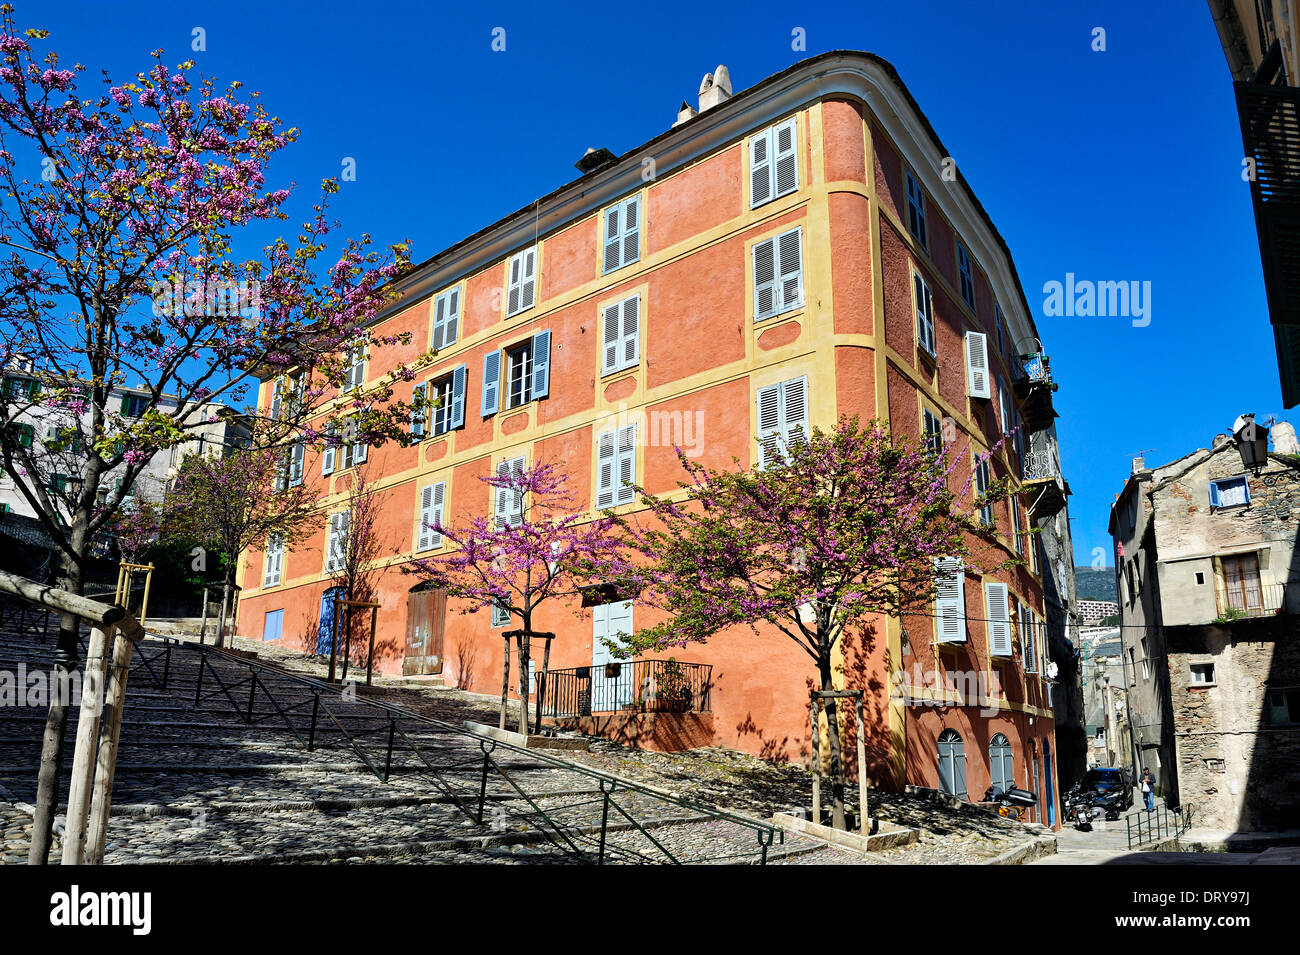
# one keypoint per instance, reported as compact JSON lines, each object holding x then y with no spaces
{"x":1013,"y":801}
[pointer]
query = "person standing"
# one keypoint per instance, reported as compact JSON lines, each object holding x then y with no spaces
{"x":1148,"y":787}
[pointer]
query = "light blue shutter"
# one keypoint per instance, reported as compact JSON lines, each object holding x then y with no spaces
{"x":625,"y":493}
{"x":439,"y":320}
{"x":514,"y":276}
{"x":298,"y":457}
{"x":760,"y":168}
{"x":419,"y":398}
{"x":794,"y":411}
{"x":606,"y":469}
{"x":765,"y":290}
{"x":327,"y":456}
{"x":786,"y":173}
{"x":631,"y":230}
{"x":541,"y":364}
{"x":527,"y":292}
{"x":1214,"y":495}
{"x":791,"y":259}
{"x":456,"y":415}
{"x":611,"y":344}
{"x":950,"y":599}
{"x":998,"y":611}
{"x":613,"y":238}
{"x":491,"y":382}
{"x":769,"y":422}
{"x":631,"y":331}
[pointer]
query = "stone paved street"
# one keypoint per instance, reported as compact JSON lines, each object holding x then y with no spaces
{"x":204,"y":785}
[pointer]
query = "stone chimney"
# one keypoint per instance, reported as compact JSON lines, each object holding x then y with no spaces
{"x":687,"y":111}
{"x":1284,"y":439}
{"x":1218,"y":440}
{"x":715,"y":88}
{"x":1139,"y":464}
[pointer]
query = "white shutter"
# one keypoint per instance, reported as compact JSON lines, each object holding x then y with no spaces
{"x":327,"y":456}
{"x":950,"y":599}
{"x":611,"y":339}
{"x":760,"y":168}
{"x":277,"y":398}
{"x":625,"y":493}
{"x":631,"y":230}
{"x":1028,"y":640}
{"x":924,"y":313}
{"x":420,"y":412}
{"x":514,"y":282}
{"x":274,"y":560}
{"x":446,"y":319}
{"x":765,"y":288}
{"x":769,"y":422}
{"x":791,"y":261}
{"x":431,"y":504}
{"x":998,"y":611}
{"x":785,"y":143}
{"x":1004,"y":405}
{"x":298,"y":458}
{"x":631,"y":331}
{"x":509,"y":505}
{"x":619,"y":620}
{"x":977,"y":364}
{"x":606,"y":469}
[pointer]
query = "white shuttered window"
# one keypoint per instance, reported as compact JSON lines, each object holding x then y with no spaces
{"x":950,"y":599}
{"x":773,"y":163}
{"x":778,"y":274}
{"x":622,"y":241}
{"x":431,"y":503}
{"x":997,"y":609}
{"x":521,"y":285}
{"x":782,"y":417}
{"x":616,"y":467}
{"x":621,"y":335}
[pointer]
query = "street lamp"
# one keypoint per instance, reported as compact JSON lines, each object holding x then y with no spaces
{"x":1252,"y":442}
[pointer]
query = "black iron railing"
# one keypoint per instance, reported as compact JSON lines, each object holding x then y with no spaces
{"x":645,"y":685}
{"x":607,"y":819}
{"x":1157,"y":825}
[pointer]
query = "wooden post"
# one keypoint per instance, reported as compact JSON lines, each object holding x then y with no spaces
{"x":541,"y":677}
{"x":203,"y":621}
{"x":816,"y":763}
{"x":110,"y":729}
{"x":523,"y":683}
{"x":370,"y":659}
{"x":144,"y":601}
{"x":505,"y":684}
{"x":83,"y":760}
{"x":863,"y":805}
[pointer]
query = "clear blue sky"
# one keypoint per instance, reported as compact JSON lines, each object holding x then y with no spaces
{"x":1122,"y":165}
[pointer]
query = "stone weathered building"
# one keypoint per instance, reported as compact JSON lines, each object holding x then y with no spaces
{"x":1209,"y":595}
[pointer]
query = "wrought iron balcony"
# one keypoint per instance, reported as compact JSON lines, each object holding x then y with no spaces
{"x":1243,"y":598}
{"x":1043,"y":489}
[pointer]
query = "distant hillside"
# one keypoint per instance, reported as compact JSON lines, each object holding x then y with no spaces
{"x":1095,"y":584}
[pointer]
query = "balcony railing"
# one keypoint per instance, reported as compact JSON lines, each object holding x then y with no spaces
{"x":650,"y":685}
{"x":1040,"y":466}
{"x":1254,"y":600}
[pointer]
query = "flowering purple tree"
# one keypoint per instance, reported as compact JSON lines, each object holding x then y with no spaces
{"x":537,"y":546}
{"x":235,"y":501}
{"x":120,"y":212}
{"x":842,"y":526}
{"x":135,"y":529}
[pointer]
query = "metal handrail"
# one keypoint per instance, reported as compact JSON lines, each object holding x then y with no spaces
{"x":766,"y":834}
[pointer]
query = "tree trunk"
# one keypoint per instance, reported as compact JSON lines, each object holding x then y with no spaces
{"x":225,"y":605}
{"x":505,"y":683}
{"x":56,"y":722}
{"x":833,"y":736}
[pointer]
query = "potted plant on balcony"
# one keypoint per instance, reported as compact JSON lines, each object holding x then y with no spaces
{"x":673,"y":690}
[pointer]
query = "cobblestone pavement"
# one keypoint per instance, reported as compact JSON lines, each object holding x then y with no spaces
{"x":233,"y":780}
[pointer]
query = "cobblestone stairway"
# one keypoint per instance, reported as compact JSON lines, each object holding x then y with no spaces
{"x":215,"y":766}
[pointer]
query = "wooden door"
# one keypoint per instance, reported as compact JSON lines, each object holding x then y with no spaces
{"x":425,"y":629}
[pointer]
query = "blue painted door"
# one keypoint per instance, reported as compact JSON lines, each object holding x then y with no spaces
{"x":274,"y":623}
{"x":1047,"y":779}
{"x":325,"y":634}
{"x":611,"y":681}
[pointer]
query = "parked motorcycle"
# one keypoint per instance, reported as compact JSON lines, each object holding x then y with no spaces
{"x":1013,"y":801}
{"x":1082,"y":809}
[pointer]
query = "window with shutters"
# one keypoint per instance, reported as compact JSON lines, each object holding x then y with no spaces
{"x":1028,"y":639}
{"x":622,"y":236}
{"x":966,"y":276}
{"x":998,"y":321}
{"x":274,"y":560}
{"x":924,"y":314}
{"x":916,"y":210}
{"x":1229,"y":492}
{"x":620,"y":335}
{"x":950,"y":600}
{"x":773,"y":163}
{"x":778,"y":274}
{"x":444,"y":401}
{"x":133,"y":406}
{"x":356,"y":374}
{"x":616,"y":467}
{"x":952,"y":763}
{"x":1017,"y":527}
{"x":419,"y":412}
{"x":353,"y":450}
{"x":977,"y":365}
{"x":1004,"y":405}
{"x":446,"y":318}
{"x":508,"y":502}
{"x":521,"y":281}
{"x":500,"y":615}
{"x":997,"y":612}
{"x":983,"y":481}
{"x":431,"y":504}
{"x":519,"y":375}
{"x":933,"y":431}
{"x":337,"y":546}
{"x":782,"y":418}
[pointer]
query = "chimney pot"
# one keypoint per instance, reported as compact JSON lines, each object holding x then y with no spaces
{"x":715,"y":88}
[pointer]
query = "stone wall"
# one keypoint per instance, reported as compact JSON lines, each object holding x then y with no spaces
{"x":1236,"y":769}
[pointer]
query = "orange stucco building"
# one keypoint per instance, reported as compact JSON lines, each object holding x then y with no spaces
{"x":803,"y":247}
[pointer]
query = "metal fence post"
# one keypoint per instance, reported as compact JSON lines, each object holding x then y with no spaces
{"x":388,"y":760}
{"x":311,"y":737}
{"x":604,"y":822}
{"x":198,"y":682}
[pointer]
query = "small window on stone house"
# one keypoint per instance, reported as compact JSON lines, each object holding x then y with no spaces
{"x":1229,"y":492}
{"x":1202,"y":674}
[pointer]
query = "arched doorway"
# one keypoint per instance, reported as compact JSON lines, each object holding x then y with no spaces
{"x":426,"y":611}
{"x":1001,"y":765}
{"x":1047,"y":779}
{"x":952,"y":764}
